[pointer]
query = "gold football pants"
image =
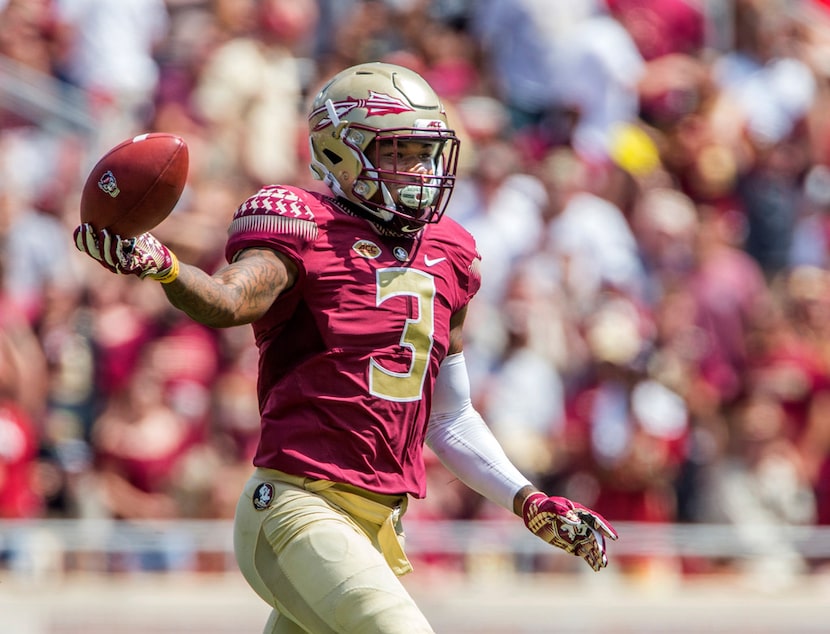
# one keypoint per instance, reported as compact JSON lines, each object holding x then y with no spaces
{"x":326,"y":556}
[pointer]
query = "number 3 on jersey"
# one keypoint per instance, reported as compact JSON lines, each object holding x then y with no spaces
{"x":417,"y":334}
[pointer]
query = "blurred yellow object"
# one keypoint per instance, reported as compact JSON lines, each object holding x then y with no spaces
{"x":633,"y":150}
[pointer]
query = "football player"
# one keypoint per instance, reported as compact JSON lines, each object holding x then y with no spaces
{"x":357,"y":301}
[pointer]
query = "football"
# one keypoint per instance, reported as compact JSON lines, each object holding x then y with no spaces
{"x":136,"y":184}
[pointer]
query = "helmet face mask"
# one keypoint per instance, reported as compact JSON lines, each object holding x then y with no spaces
{"x":379,"y":138}
{"x":408,"y":175}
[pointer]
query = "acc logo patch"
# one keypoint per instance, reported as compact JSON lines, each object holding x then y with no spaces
{"x":366,"y":249}
{"x":263,"y":496}
{"x":108,"y":184}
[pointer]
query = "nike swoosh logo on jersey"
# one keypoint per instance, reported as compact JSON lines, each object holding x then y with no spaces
{"x":430,"y":262}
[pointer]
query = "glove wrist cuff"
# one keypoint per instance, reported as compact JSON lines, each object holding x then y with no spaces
{"x":171,"y":273}
{"x":530,"y":499}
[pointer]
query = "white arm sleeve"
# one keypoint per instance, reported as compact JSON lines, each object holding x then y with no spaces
{"x":463,"y":442}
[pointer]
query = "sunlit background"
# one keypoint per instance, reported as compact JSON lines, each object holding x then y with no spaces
{"x":648,"y":182}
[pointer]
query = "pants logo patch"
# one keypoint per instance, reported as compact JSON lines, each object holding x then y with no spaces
{"x":263,"y":495}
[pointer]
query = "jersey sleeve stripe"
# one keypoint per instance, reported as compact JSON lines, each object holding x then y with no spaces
{"x":268,"y":223}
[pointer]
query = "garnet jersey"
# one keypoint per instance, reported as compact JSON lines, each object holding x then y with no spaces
{"x":349,"y":355}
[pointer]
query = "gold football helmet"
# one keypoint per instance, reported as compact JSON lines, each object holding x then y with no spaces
{"x":363,"y":127}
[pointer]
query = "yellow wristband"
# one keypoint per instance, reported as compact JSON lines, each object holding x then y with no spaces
{"x":172,"y":273}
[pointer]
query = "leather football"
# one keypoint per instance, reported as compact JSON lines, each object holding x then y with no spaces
{"x":136,"y":184}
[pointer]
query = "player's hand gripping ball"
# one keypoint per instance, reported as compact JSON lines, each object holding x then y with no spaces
{"x":143,"y":256}
{"x":136,"y":184}
{"x":570,"y":526}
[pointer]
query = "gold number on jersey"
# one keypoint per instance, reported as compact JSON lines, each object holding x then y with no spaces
{"x":417,"y":334}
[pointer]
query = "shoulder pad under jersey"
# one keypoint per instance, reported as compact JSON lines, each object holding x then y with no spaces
{"x":275,"y":209}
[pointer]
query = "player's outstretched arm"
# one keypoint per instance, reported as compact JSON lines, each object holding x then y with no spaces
{"x":466,"y":446}
{"x":237,"y":294}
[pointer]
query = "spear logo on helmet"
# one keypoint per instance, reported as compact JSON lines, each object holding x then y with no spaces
{"x":376,"y":105}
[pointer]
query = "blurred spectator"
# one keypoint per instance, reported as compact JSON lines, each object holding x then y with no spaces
{"x":661,"y":27}
{"x":121,"y":329}
{"x":111,"y":56}
{"x":593,"y":59}
{"x":19,"y":437}
{"x":502,"y":206}
{"x":234,"y":407}
{"x":522,"y":396}
{"x":669,"y":34}
{"x":368,"y":30}
{"x":693,"y":262}
{"x":587,"y":234}
{"x":140,"y":441}
{"x":22,"y":375}
{"x":761,"y":487}
{"x":194,"y":33}
{"x":788,"y":363}
{"x":29,"y":33}
{"x":626,"y":432}
{"x":773,"y":91}
{"x":38,"y":256}
{"x":665,"y":224}
{"x":439,"y":34}
{"x":811,"y":229}
{"x":730,"y":295}
{"x":249,"y":92}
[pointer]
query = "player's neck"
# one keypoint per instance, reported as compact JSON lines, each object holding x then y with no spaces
{"x":382,"y":229}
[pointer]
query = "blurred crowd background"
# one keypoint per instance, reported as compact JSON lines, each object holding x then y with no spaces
{"x":648,"y":182}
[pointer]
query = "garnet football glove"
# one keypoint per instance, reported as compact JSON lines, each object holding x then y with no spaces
{"x":143,"y":256}
{"x":569,"y":526}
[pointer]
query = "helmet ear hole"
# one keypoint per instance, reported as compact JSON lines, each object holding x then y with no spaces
{"x":332,"y":156}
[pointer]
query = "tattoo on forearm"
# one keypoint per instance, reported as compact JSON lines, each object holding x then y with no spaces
{"x":237,"y":294}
